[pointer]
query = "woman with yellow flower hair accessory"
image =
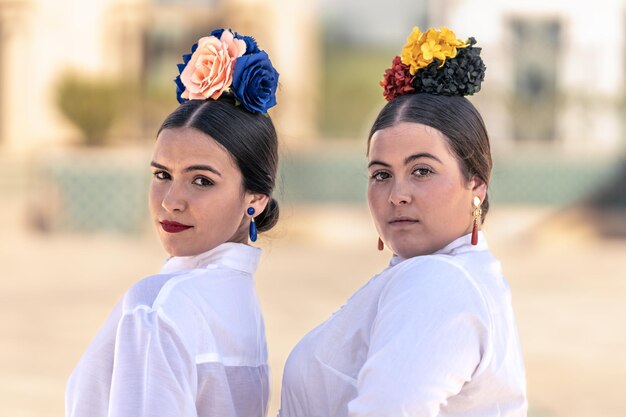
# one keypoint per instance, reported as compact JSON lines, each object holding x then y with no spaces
{"x":433,"y":334}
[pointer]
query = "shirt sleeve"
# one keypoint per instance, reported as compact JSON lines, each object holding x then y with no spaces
{"x":154,"y":373}
{"x":427,"y":340}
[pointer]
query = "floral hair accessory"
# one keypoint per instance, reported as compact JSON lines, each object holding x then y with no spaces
{"x":435,"y":62}
{"x":226,"y":62}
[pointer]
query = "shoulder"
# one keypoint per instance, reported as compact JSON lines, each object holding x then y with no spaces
{"x":144,"y":292}
{"x":435,"y":280}
{"x":436,"y":270}
{"x":187,"y":298}
{"x":164,"y":304}
{"x":168,"y":296}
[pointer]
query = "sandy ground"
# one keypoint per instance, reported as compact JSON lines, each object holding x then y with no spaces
{"x":568,"y":288}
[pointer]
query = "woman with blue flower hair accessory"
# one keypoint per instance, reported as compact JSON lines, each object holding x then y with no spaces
{"x":190,"y":341}
{"x":433,"y":334}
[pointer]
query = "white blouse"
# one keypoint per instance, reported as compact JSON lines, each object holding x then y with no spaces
{"x":429,"y":336}
{"x":187,"y":342}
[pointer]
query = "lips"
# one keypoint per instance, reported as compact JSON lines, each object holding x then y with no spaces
{"x":174,"y":227}
{"x":402,"y":220}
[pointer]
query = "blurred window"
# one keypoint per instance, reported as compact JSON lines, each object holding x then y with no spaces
{"x":536,"y":46}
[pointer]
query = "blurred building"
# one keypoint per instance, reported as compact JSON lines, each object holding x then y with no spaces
{"x":555,"y":68}
{"x":556,"y":74}
{"x":40,"y":40}
{"x":140,"y":41}
{"x":556,"y":71}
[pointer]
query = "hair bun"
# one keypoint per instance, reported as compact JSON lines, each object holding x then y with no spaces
{"x":226,"y":62}
{"x":435,"y":62}
{"x":268,"y":217}
{"x":460,"y":76}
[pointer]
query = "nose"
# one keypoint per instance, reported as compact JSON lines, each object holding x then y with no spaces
{"x":399,"y":195}
{"x":174,"y":199}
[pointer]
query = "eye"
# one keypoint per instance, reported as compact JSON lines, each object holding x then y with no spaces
{"x":380,"y":176}
{"x":161,"y":175}
{"x":203,"y":182}
{"x":422,"y":172}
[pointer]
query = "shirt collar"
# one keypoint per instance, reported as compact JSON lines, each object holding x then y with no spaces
{"x":456,"y":247}
{"x":237,"y":256}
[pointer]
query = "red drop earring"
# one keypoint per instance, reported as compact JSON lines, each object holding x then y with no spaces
{"x":381,"y":245}
{"x":477,"y":213}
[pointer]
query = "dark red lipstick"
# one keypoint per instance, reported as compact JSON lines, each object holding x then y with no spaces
{"x":174,"y":227}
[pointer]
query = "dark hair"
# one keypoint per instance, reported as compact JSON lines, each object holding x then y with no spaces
{"x":249,"y":137}
{"x":456,"y":118}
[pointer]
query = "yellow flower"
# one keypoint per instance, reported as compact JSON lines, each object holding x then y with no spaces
{"x":422,"y":49}
{"x":431,"y":49}
{"x":415,"y":35}
{"x":411,"y":51}
{"x":450,"y":38}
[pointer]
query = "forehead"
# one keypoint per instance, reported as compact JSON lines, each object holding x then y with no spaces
{"x":188,"y":146}
{"x":405,"y":139}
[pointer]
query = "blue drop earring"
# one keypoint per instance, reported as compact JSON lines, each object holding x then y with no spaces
{"x":253,"y":232}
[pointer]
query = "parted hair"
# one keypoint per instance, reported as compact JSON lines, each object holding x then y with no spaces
{"x":455,"y":117}
{"x":250,"y":138}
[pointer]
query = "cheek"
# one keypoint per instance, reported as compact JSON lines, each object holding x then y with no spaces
{"x":222,"y":210}
{"x":154,"y":198}
{"x":233,"y":201}
{"x":445,"y":200}
{"x":377,"y":200}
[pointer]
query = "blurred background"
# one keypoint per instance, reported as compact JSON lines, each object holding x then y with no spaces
{"x":84,"y":86}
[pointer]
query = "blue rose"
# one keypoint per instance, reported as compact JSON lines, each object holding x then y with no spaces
{"x":254,"y":82}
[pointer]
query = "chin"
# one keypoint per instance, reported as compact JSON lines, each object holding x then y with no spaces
{"x":410,"y":253}
{"x":408,"y":249}
{"x":174,"y":249}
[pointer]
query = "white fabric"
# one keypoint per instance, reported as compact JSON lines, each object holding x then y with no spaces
{"x":429,"y":336}
{"x":187,"y":342}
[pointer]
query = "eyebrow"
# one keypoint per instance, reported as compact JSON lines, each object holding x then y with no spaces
{"x":408,"y":159}
{"x":189,"y":168}
{"x":413,"y":157}
{"x":378,"y":163}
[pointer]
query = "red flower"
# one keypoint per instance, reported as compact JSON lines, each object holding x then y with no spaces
{"x":397,"y":80}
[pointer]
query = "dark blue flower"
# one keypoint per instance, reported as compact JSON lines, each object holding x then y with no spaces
{"x":217,"y":33}
{"x":251,"y":45}
{"x":180,"y":87}
{"x":254,"y":82}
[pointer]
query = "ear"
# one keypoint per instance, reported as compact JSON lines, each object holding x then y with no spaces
{"x":479,"y":188}
{"x":257,"y":201}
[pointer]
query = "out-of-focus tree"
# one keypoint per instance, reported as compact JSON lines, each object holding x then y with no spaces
{"x":92,"y":104}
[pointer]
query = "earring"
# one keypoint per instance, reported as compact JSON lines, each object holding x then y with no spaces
{"x":477,"y":213}
{"x":253,"y":233}
{"x":381,"y":245}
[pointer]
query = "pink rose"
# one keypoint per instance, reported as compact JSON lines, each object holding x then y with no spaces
{"x":209,"y":72}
